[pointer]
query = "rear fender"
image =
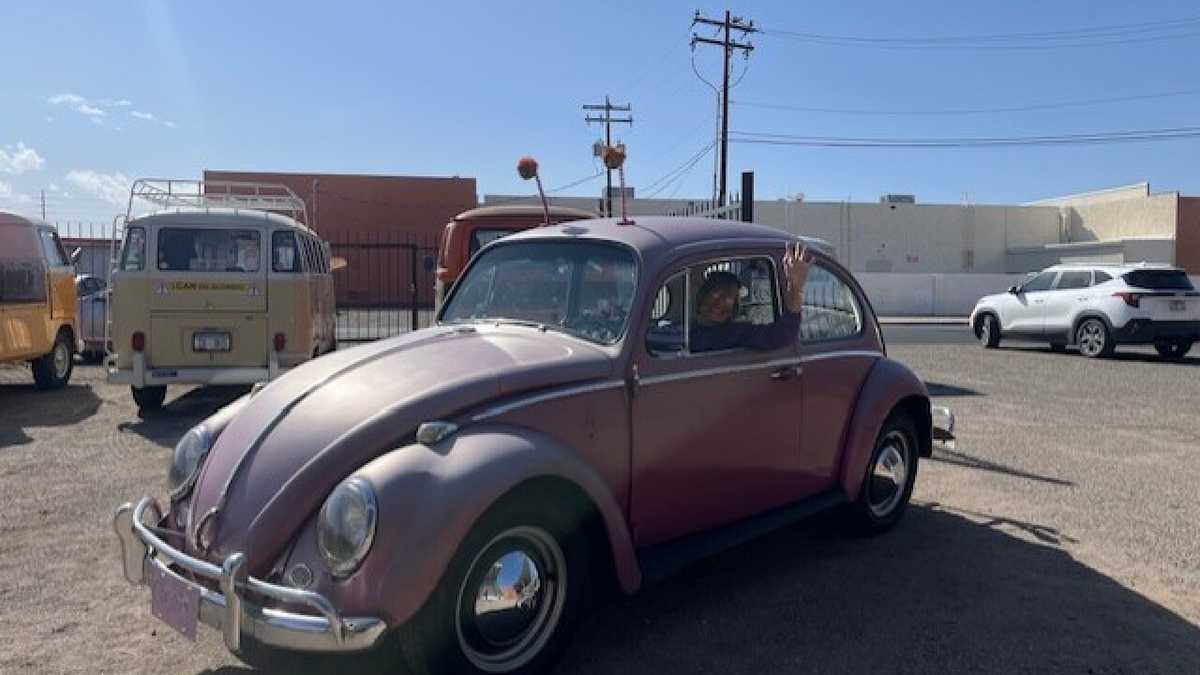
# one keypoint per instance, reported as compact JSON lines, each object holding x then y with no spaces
{"x":430,"y":497}
{"x":889,"y":385}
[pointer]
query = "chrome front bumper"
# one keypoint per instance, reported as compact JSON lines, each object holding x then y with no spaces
{"x":144,"y":553}
{"x":943,"y":426}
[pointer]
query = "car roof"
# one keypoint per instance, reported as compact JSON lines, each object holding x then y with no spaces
{"x":656,"y":237}
{"x":1117,"y":268}
{"x":523,"y":211}
{"x":184,"y":214}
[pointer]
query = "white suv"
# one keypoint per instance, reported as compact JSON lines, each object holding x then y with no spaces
{"x":1096,"y":307}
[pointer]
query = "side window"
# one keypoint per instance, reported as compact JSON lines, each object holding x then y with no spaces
{"x":133,"y":257}
{"x":1102,"y":277}
{"x":283,"y":252}
{"x":1074,"y":280}
{"x":831,"y":312}
{"x":1041,"y":282}
{"x":668,"y":326}
{"x":55,"y":257}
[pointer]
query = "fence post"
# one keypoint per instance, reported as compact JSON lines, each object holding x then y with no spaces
{"x":412,"y":288}
{"x":747,"y":196}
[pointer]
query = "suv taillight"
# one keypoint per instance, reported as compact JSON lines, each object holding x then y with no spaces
{"x":138,"y":341}
{"x":1131,"y":299}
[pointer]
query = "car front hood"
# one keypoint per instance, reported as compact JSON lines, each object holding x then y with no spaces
{"x":280,"y":456}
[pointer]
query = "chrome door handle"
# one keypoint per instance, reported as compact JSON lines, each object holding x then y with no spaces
{"x":786,"y":373}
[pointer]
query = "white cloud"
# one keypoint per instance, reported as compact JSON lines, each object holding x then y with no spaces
{"x":53,"y":187}
{"x":112,"y":188}
{"x":71,"y":99}
{"x":19,"y":159}
{"x":143,"y":115}
{"x":7,"y":195}
{"x":89,"y":110}
{"x":5,"y":189}
{"x":119,"y":103}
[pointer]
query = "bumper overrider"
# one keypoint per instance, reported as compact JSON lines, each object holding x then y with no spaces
{"x":144,"y":555}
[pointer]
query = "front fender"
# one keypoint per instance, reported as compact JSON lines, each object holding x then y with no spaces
{"x":888,"y":385}
{"x":430,"y":497}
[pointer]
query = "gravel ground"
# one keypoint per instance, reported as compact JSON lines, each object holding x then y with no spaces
{"x":1061,"y":535}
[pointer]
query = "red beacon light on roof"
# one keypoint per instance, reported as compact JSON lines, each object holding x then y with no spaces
{"x":527,"y":167}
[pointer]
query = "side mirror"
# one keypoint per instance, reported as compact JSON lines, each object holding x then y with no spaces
{"x":75,"y":255}
{"x":1014,"y":290}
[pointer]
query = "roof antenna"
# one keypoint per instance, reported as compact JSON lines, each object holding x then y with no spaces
{"x":614,"y":158}
{"x":527,"y":168}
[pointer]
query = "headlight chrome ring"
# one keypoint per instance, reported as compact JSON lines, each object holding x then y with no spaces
{"x":189,"y":455}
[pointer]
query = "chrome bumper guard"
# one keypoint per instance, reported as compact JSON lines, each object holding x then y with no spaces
{"x":943,"y":426}
{"x":324,"y":631}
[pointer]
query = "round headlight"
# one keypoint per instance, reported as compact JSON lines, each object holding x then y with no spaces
{"x":185,"y":463}
{"x":346,"y":526}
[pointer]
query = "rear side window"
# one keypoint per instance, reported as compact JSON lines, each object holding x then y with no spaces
{"x":133,"y":256}
{"x":1070,"y":280}
{"x":1159,"y":280}
{"x":283,"y":252}
{"x":1102,"y":277}
{"x":831,"y":312}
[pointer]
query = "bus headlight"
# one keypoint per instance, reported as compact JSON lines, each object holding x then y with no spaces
{"x":346,"y":526}
{"x":185,"y":463}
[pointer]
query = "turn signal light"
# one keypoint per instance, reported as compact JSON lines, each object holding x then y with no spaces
{"x":1131,"y":299}
{"x":280,"y":341}
{"x":138,"y":341}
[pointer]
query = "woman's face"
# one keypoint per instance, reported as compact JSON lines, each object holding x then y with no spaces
{"x":716,"y":307}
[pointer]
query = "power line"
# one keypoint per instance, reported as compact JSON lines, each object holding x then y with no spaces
{"x":1096,"y":138}
{"x":971,"y":111}
{"x":1168,"y":29}
{"x":678,"y":171}
{"x":746,"y":28}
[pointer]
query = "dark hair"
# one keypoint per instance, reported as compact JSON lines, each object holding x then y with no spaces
{"x":720,"y":281}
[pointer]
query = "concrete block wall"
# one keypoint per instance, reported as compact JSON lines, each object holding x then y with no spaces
{"x":930,"y":294}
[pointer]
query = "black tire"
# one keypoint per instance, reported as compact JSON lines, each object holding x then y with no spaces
{"x":448,"y":636}
{"x":1174,"y":350}
{"x":881,"y":500}
{"x":989,"y":331}
{"x":149,"y":399}
{"x":53,"y":370}
{"x":1094,"y":339}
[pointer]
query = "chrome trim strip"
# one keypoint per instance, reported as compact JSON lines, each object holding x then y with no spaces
{"x":228,"y":611}
{"x":503,"y":408}
{"x":846,"y":353}
{"x":721,"y":370}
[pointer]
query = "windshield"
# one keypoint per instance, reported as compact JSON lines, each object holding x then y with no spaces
{"x":583,"y":288}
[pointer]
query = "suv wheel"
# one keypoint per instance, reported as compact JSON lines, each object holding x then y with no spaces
{"x":1094,"y":339}
{"x":989,"y":331}
{"x":53,"y":370}
{"x":1173,"y":350}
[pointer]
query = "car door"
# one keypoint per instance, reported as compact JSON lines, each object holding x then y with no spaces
{"x":716,"y":434}
{"x":1026,"y":313}
{"x":1070,"y":291}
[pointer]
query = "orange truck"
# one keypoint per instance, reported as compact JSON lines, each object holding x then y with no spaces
{"x":474,"y":229}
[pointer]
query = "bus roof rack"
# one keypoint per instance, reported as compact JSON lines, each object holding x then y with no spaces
{"x":170,"y":193}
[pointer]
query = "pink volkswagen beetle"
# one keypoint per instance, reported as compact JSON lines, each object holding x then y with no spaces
{"x":598,"y":401}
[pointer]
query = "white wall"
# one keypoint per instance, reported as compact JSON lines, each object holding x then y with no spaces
{"x":931,"y":294}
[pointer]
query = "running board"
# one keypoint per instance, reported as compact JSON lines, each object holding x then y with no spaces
{"x":662,"y":560}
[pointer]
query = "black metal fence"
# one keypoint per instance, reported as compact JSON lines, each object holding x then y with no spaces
{"x":385,"y":286}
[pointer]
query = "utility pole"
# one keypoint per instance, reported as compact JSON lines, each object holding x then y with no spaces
{"x":43,"y":205}
{"x":730,"y":23}
{"x":608,"y":121}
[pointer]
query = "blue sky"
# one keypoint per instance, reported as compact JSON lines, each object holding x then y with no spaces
{"x":95,"y":94}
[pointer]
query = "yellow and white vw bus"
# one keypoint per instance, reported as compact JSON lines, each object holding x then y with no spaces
{"x":217,"y":288}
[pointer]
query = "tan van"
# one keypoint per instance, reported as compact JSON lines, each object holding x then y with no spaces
{"x":217,"y":294}
{"x":37,"y":300}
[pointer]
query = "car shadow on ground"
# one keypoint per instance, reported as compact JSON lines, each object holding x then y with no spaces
{"x":950,"y":456}
{"x":25,"y":407}
{"x":1193,"y":359}
{"x":946,"y":591}
{"x":940,"y":390}
{"x":164,"y":427}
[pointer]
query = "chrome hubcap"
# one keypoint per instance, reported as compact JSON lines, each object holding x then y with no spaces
{"x":889,"y":475}
{"x":62,"y":359}
{"x":512,"y":599}
{"x":1091,"y":338}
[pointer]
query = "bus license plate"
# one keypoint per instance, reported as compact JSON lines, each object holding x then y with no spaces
{"x":1178,"y":305}
{"x":211,"y":342}
{"x":174,"y":602}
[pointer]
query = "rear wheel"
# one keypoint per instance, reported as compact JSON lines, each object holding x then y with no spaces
{"x":989,"y":331}
{"x":149,"y":399}
{"x":1175,"y":349}
{"x":53,"y":370}
{"x":509,"y":600}
{"x":1094,"y":339}
{"x":890,"y":475}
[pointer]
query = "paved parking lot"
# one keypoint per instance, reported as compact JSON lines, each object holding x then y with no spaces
{"x":1061,"y":535}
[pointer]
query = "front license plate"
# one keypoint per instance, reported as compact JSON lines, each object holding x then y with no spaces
{"x":1178,"y":305}
{"x":174,"y":603}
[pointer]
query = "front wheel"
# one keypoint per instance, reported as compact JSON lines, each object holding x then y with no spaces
{"x":1174,"y":350}
{"x":890,"y":475}
{"x":149,"y":399}
{"x":510,"y":599}
{"x":989,"y":332}
{"x":53,"y":370}
{"x":1094,"y":339}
